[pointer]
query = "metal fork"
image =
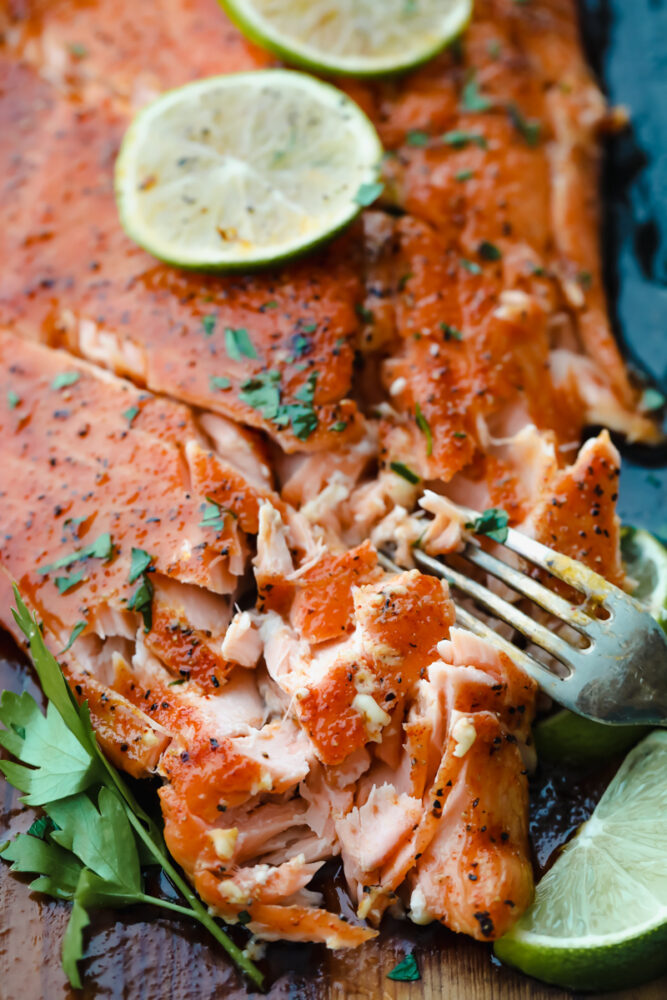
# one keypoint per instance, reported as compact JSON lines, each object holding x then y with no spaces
{"x":619,"y":677}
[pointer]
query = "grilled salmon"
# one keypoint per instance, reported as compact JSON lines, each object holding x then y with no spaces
{"x":208,"y":574}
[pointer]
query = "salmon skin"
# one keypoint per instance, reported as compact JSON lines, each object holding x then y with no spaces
{"x":235,"y":633}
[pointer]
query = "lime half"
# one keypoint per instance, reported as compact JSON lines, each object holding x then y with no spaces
{"x":351,"y":37}
{"x":645,"y":562}
{"x":599,"y":919}
{"x":232,"y":172}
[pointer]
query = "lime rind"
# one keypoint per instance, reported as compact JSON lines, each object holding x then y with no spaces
{"x":447,"y":26}
{"x":645,"y":560}
{"x":244,"y":171}
{"x":599,"y":919}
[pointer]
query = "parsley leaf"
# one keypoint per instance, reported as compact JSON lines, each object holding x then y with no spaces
{"x":131,"y":413}
{"x":652,"y":399}
{"x":238,"y":344}
{"x":404,"y":472}
{"x":489,"y":251}
{"x":140,"y":562}
{"x":424,"y":427}
{"x":74,"y":635}
{"x":364,"y":314}
{"x":471,"y":266}
{"x":263,"y":393}
{"x":492,"y":523}
{"x":212,"y":516}
{"x":142,"y":601}
{"x":309,"y":327}
{"x":219,"y":382}
{"x":12,"y":399}
{"x":91,"y":846}
{"x":66,"y":583}
{"x":464,"y":175}
{"x":367,"y":193}
{"x":471,"y":98}
{"x":529,"y":130}
{"x":416,"y":137}
{"x":459,"y":139}
{"x":451,"y":332}
{"x":64,"y":379}
{"x":208,"y":322}
{"x":101,"y":548}
{"x":339,"y":426}
{"x":406,"y":971}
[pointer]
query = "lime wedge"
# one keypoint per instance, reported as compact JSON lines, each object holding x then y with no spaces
{"x":646,"y":564}
{"x":567,"y":738}
{"x":352,"y":37}
{"x":238,"y":171}
{"x":599,"y":919}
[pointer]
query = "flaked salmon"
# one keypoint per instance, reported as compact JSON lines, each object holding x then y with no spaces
{"x":199,"y":470}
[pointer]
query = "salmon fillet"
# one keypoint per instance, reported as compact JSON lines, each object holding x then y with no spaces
{"x":236,"y":634}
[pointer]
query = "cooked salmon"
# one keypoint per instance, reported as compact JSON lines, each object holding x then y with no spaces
{"x":208,"y":574}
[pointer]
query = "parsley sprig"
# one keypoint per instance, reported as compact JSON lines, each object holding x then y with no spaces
{"x":91,"y":845}
{"x":492,"y":522}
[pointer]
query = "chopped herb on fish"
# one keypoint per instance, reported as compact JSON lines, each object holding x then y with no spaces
{"x":101,"y":548}
{"x":12,"y":399}
{"x":459,"y":139}
{"x":139,"y":563}
{"x":63,"y":379}
{"x":142,"y":601}
{"x":451,"y":332}
{"x":489,"y":251}
{"x":74,"y":635}
{"x":416,"y":137}
{"x":131,"y":413}
{"x":424,"y":427}
{"x":238,"y":344}
{"x":367,"y":193}
{"x":67,"y":583}
{"x":219,"y":382}
{"x":529,"y":130}
{"x":492,"y":523}
{"x":208,"y":322}
{"x":402,"y":470}
{"x":406,"y":971}
{"x":472,"y":99}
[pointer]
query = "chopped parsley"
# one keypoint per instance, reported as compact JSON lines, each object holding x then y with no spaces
{"x":208,"y":322}
{"x":243,"y":917}
{"x":66,"y":583}
{"x":219,"y":382}
{"x":416,"y":137}
{"x":339,"y":426}
{"x":492,"y":523}
{"x":140,"y":562}
{"x":142,"y":601}
{"x":470,"y":266}
{"x":301,"y":345}
{"x":460,"y":435}
{"x":459,"y":139}
{"x":263,"y":393}
{"x":464,"y":175}
{"x":489,"y":251}
{"x":471,"y":98}
{"x":367,"y":193}
{"x":212,"y":515}
{"x":74,"y":635}
{"x":12,"y":399}
{"x":309,"y":327}
{"x":403,"y":280}
{"x":238,"y":344}
{"x":585,"y":279}
{"x":406,"y":971}
{"x":528,"y":129}
{"x":64,"y":379}
{"x":77,"y":50}
{"x":364,"y":314}
{"x":424,"y":427}
{"x":404,"y":472}
{"x":451,"y":332}
{"x":131,"y":413}
{"x":101,"y":548}
{"x":652,"y":399}
{"x":272,"y":304}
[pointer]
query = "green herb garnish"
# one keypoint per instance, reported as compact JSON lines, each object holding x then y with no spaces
{"x":451,"y":332}
{"x":404,"y":472}
{"x":339,"y":426}
{"x":238,"y":344}
{"x":66,"y":583}
{"x":492,"y":523}
{"x":471,"y":266}
{"x":101,"y":548}
{"x":406,"y":971}
{"x":364,"y":314}
{"x":489,"y":251}
{"x":416,"y":137}
{"x":464,"y":175}
{"x":139,"y":563}
{"x":652,"y":399}
{"x":64,"y":379}
{"x":208,"y":322}
{"x":219,"y":382}
{"x":212,"y":515}
{"x":263,"y":393}
{"x":90,"y":846}
{"x":424,"y":427}
{"x":142,"y":601}
{"x":12,"y":399}
{"x":131,"y":413}
{"x":74,"y":635}
{"x":471,"y":98}
{"x":529,"y":130}
{"x":367,"y":193}
{"x":459,"y":139}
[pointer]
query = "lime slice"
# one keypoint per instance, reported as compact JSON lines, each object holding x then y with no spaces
{"x":570,"y":739}
{"x":646,"y":563}
{"x":599,"y":919}
{"x":237,"y":171}
{"x":352,"y":37}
